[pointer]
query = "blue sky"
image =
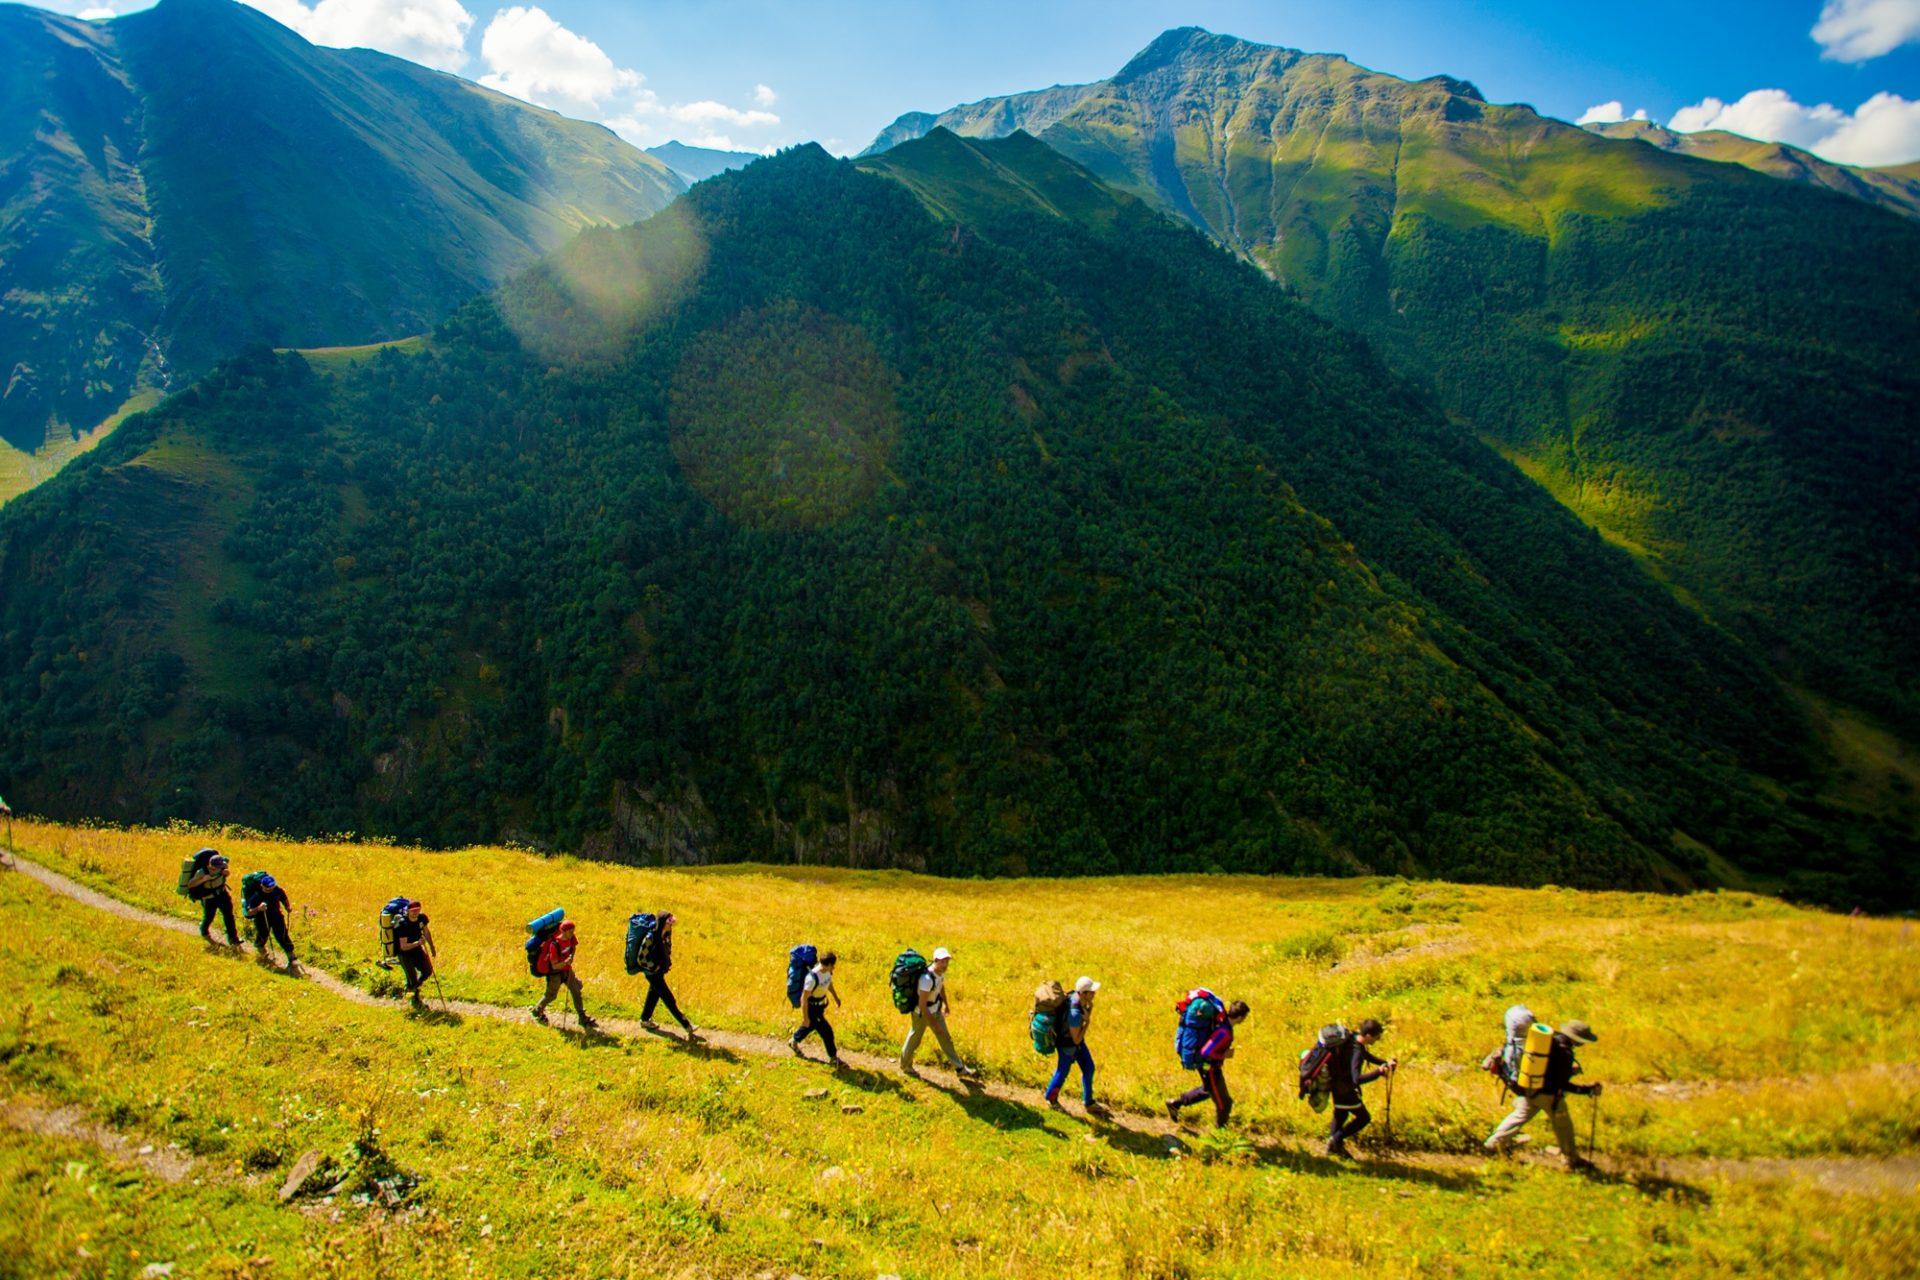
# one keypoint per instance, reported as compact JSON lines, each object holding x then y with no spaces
{"x":756,"y":74}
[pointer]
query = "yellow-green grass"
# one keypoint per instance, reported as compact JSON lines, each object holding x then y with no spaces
{"x":21,"y":471}
{"x":541,"y":1154}
{"x":336,"y":359}
{"x":1731,"y":1025}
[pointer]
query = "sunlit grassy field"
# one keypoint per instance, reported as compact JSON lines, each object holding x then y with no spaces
{"x":1730,"y":1026}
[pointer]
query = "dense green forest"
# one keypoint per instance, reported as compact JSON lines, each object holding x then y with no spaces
{"x":1713,"y":366}
{"x":802,"y":524}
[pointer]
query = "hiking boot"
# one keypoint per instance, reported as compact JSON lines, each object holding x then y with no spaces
{"x":539,"y":1015}
{"x":693,"y":1035}
{"x":911,"y":1073}
{"x":1338,"y":1151}
{"x":587,"y":1022}
{"x":647,"y":1023}
{"x":414,"y":996}
{"x":836,"y":1064}
{"x":1580,"y":1164}
{"x":1053,"y":1102}
{"x":966,"y":1072}
{"x":1097,"y":1109}
{"x":795,"y":1046}
{"x":1173,"y":1111}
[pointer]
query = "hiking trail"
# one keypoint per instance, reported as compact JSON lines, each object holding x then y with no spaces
{"x":1836,"y":1174}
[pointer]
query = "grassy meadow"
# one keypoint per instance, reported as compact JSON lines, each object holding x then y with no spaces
{"x":1731,"y":1027}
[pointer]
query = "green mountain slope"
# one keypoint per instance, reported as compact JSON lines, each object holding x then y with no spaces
{"x":202,"y":176}
{"x":1896,"y":188}
{"x":1711,"y":366}
{"x":800,"y":525}
{"x":695,"y":164}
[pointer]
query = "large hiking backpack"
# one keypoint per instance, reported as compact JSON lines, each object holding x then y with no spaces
{"x":1316,"y":1065}
{"x":191,"y":867}
{"x":1048,"y":1025}
{"x":1199,"y":1012}
{"x":800,"y":962}
{"x":905,"y":980}
{"x":643,"y":931}
{"x":390,"y":915}
{"x":541,"y":928}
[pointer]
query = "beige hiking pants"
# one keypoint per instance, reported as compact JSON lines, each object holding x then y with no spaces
{"x":938,"y":1021}
{"x":1525,"y":1109}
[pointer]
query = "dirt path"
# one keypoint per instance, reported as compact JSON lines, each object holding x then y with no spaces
{"x":167,"y":1163}
{"x":1860,"y":1175}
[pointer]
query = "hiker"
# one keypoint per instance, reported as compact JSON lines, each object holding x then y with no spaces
{"x":413,"y":947}
{"x":656,"y":957}
{"x":1347,"y":1074}
{"x":930,"y":1004}
{"x":1072,"y":1047}
{"x":1210,"y":1060}
{"x":814,"y":990}
{"x":205,"y":881}
{"x":553,"y":960}
{"x":1550,"y":1096}
{"x":265,"y":903}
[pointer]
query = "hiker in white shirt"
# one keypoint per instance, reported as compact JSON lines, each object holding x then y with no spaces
{"x":931,"y":1011}
{"x":814,"y":991}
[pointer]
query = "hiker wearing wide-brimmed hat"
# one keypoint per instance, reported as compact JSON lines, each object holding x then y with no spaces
{"x":1551,"y":1097}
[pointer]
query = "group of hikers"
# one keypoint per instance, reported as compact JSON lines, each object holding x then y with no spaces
{"x":1535,"y":1062}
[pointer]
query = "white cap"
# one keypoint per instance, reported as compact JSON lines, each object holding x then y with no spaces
{"x":1086,"y":984}
{"x":941,"y":953}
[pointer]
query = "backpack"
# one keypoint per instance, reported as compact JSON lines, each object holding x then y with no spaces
{"x":390,"y":915}
{"x":191,"y":867}
{"x":1199,"y":1012}
{"x":800,"y":962}
{"x":643,"y":930}
{"x":1316,"y":1078}
{"x":253,"y":887}
{"x":1048,"y":1025}
{"x":541,"y":928}
{"x":905,"y":980}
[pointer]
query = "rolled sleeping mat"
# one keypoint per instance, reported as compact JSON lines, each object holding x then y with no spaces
{"x":540,"y":924}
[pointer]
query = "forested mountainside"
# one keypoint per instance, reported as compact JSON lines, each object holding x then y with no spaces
{"x":800,"y":524}
{"x":182,"y":182}
{"x":1895,"y":187}
{"x":1712,"y":366}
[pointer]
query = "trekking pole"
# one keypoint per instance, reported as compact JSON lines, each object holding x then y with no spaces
{"x":440,"y":991}
{"x":1390,"y":1076}
{"x":1593,"y":1130}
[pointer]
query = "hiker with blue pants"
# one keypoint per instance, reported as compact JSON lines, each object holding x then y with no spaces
{"x":1072,"y":1047}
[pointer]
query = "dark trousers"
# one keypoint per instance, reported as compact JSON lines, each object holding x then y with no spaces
{"x":658,"y":993}
{"x":556,"y":981}
{"x":418,"y":968}
{"x":273,"y":922}
{"x":1349,"y":1118}
{"x":1213,"y":1084}
{"x":1072,"y":1055}
{"x":816,"y":1022}
{"x":222,"y":901}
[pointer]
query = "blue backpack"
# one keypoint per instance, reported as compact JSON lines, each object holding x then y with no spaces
{"x":641,"y":927}
{"x":800,"y":962}
{"x":540,"y":929}
{"x":1199,"y":1012}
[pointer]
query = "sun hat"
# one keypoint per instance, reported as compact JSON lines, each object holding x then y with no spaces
{"x":1086,"y":984}
{"x":1579,"y":1032}
{"x":941,"y":953}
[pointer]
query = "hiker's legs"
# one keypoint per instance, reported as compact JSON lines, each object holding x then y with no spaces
{"x":658,"y":993}
{"x":572,"y":981}
{"x":259,"y":924}
{"x":915,"y":1032}
{"x":1523,"y":1109}
{"x":1563,"y":1132}
{"x":939,"y":1024}
{"x":1201,"y":1092}
{"x":825,"y":1029}
{"x":415,"y":965}
{"x":221,"y":901}
{"x":554,"y":982}
{"x":1063,"y":1065}
{"x":279,"y":925}
{"x":1083,"y":1057}
{"x":1348,"y":1121}
{"x":1216,"y":1078}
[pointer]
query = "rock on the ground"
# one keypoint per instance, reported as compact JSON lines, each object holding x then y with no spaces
{"x":303,"y":1168}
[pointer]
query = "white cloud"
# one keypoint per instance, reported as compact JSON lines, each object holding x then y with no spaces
{"x":1856,"y":30}
{"x":432,"y":32}
{"x":764,"y":96}
{"x":1884,"y":130}
{"x":530,"y":56}
{"x":1609,"y":113}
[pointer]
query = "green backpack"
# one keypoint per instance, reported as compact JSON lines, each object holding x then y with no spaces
{"x":1047,"y":1026}
{"x":905,"y":979}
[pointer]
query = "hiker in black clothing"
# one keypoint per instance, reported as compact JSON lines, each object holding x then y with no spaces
{"x":814,"y":990}
{"x":266,"y":904}
{"x":1346,"y":1075}
{"x":413,"y":947}
{"x":208,"y":887}
{"x":658,"y":993}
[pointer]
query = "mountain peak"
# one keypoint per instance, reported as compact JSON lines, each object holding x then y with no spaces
{"x":1186,"y":43}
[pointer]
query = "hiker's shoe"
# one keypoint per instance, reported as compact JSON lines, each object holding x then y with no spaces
{"x":1173,"y":1111}
{"x":693,"y":1035}
{"x":647,"y":1023}
{"x":1097,"y":1109}
{"x":1053,"y":1102}
{"x":587,"y":1022}
{"x":795,"y":1046}
{"x":909,"y":1071}
{"x":836,"y":1064}
{"x":539,"y":1015}
{"x":1338,"y":1151}
{"x":414,"y":998}
{"x":1580,"y":1164}
{"x":966,"y":1072}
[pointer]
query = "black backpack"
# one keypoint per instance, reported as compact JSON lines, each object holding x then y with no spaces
{"x":1317,"y":1062}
